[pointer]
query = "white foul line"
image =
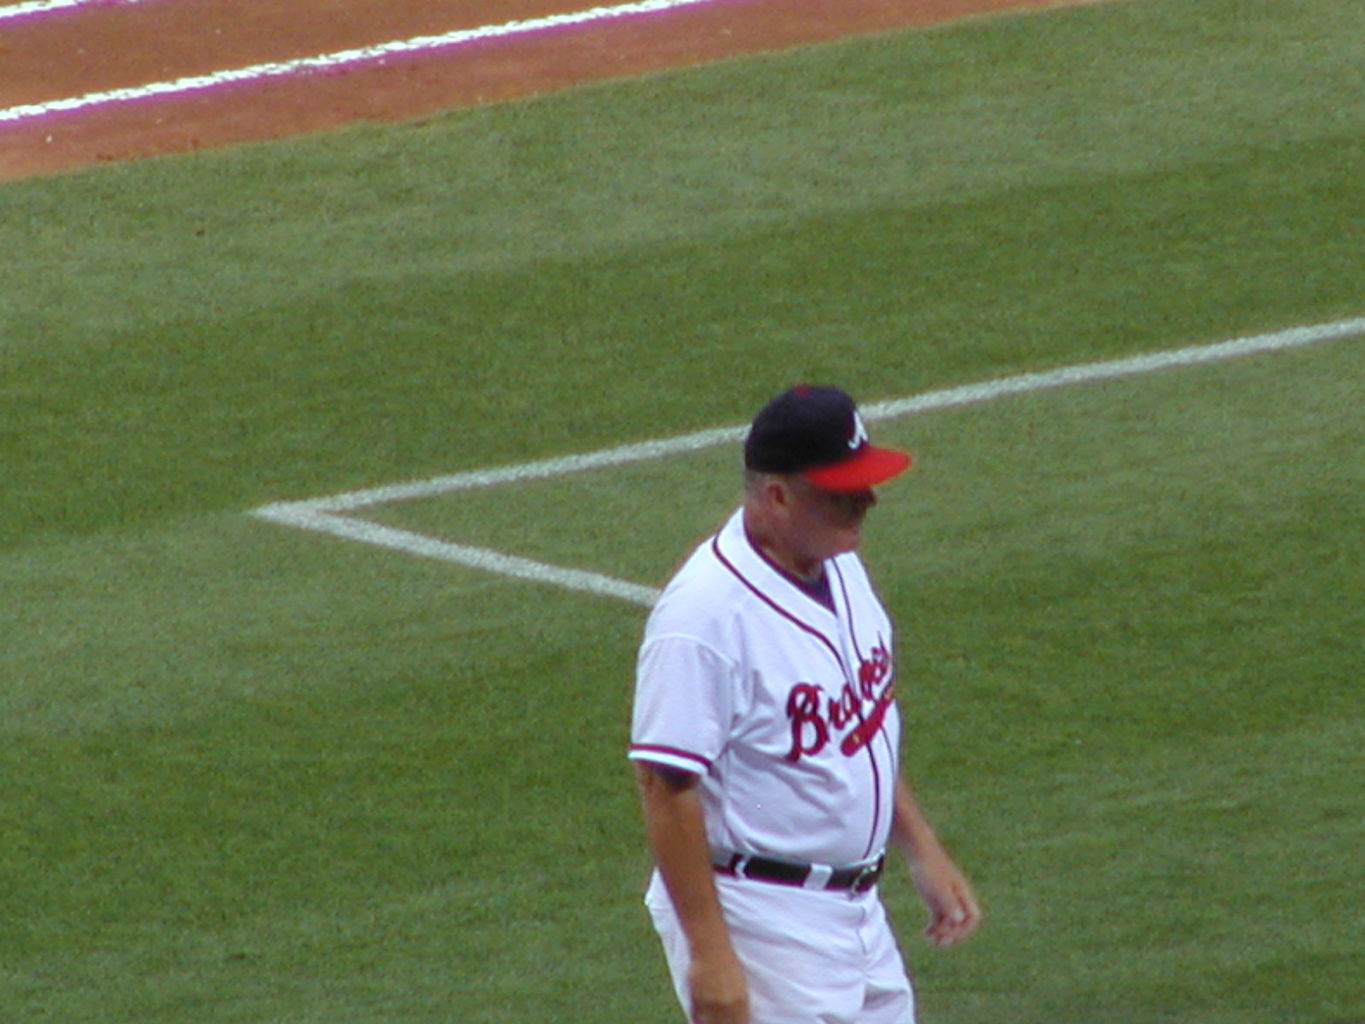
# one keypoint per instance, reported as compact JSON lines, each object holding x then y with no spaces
{"x":324,"y":515}
{"x":341,"y":58}
{"x":1089,"y":373}
{"x":51,"y":6}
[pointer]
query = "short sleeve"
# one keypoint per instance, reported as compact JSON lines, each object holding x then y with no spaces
{"x":684,"y":696}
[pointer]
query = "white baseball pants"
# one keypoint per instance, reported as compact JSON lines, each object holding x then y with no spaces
{"x":810,"y":957}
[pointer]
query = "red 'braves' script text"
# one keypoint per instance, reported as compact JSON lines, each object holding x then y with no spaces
{"x":815,"y":716}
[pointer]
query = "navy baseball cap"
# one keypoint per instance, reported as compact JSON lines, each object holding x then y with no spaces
{"x":817,"y":432}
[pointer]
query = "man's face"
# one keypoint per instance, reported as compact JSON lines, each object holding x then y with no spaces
{"x":826,"y":523}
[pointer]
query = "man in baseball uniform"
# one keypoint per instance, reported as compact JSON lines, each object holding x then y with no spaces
{"x":765,"y":737}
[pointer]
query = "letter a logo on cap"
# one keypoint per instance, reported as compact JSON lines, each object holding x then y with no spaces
{"x":819,"y":433}
{"x":859,"y":437}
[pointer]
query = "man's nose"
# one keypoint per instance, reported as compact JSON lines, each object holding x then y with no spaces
{"x":863,"y":500}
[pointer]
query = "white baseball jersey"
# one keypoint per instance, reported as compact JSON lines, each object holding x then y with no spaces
{"x":785,"y":708}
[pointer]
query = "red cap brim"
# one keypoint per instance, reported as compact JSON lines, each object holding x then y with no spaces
{"x":870,"y":467}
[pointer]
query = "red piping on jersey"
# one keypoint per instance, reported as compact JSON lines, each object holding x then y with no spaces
{"x":753,"y":588}
{"x":852,"y":632}
{"x":867,"y":727}
{"x":687,"y":755}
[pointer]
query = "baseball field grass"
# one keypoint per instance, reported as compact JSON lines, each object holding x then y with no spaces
{"x":254,"y":774}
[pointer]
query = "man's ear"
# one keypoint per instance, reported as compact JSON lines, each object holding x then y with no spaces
{"x":781,"y":495}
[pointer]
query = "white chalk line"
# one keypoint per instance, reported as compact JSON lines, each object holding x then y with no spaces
{"x":341,"y":58}
{"x":300,"y":515}
{"x":34,"y":7}
{"x":326,"y":514}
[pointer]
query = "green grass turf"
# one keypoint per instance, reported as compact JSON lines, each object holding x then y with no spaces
{"x":254,"y":775}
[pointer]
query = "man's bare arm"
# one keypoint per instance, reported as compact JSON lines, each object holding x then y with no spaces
{"x":676,"y":832}
{"x":953,"y":910}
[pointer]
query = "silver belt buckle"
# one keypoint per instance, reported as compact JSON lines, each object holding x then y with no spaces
{"x":866,"y":877}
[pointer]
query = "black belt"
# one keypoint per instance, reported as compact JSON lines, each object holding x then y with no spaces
{"x":856,"y":878}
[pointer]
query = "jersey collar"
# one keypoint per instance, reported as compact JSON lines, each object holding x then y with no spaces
{"x":774,"y":582}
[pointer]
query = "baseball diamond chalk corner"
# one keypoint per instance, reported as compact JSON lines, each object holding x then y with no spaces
{"x":334,"y":515}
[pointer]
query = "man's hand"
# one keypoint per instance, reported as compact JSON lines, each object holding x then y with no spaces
{"x":720,"y":995}
{"x":953,"y":910}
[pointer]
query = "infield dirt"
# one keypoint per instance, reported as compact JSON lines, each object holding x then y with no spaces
{"x":107,"y":46}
